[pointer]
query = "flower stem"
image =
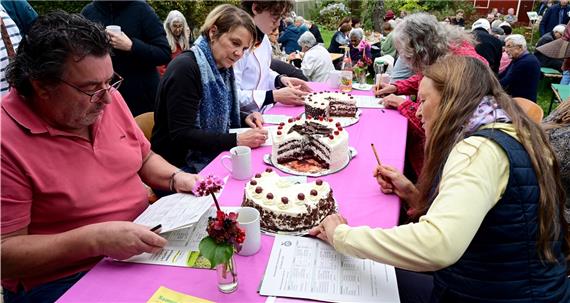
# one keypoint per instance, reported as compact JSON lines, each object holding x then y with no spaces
{"x":216,"y":201}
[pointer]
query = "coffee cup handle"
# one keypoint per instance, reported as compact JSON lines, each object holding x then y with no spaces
{"x":224,"y":163}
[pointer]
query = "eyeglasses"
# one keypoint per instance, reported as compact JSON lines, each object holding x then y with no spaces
{"x":97,"y":95}
{"x":511,"y":46}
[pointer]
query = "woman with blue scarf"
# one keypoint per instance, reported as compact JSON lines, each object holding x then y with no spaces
{"x":197,"y":102}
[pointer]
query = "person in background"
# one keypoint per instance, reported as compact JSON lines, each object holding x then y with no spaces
{"x":359,"y":47}
{"x":510,"y":17}
{"x":545,"y":61}
{"x":340,"y":38}
{"x":557,"y":128}
{"x":279,"y":59}
{"x":491,"y":18}
{"x":403,"y":14}
{"x":387,"y":45}
{"x":9,"y":45}
{"x":317,"y":63}
{"x":401,"y":71}
{"x":258,"y":85}
{"x":356,"y":23}
{"x":556,"y":14}
{"x":506,"y":27}
{"x":21,"y":12}
{"x":300,"y":24}
{"x":138,"y":49}
{"x":69,"y":201}
{"x":488,"y":46}
{"x":389,"y":15}
{"x":421,"y":31}
{"x":474,"y":221}
{"x":459,"y":18}
{"x":197,"y":102}
{"x":290,"y":36}
{"x":543,"y":6}
{"x":177,"y":30}
{"x":522,"y":76}
{"x":314,"y":29}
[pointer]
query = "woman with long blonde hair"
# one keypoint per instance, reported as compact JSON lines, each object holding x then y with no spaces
{"x":490,"y":200}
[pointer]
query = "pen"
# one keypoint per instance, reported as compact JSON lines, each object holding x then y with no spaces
{"x":156,"y":228}
{"x":375,"y":154}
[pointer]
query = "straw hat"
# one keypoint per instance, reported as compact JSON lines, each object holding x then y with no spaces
{"x":557,"y":49}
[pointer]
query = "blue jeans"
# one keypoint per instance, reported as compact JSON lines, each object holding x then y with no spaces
{"x":565,"y":77}
{"x":45,"y":293}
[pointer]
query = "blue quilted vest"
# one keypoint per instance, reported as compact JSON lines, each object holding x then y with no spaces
{"x":502,"y":264}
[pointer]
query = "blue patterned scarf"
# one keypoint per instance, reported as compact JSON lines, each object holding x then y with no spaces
{"x":219,"y":108}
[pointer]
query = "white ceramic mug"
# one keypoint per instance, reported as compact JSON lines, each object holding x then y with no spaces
{"x":113,"y":28}
{"x":248,"y":220}
{"x":240,"y":157}
{"x":333,"y":79}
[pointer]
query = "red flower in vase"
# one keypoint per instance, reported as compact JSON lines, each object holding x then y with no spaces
{"x":224,"y":234}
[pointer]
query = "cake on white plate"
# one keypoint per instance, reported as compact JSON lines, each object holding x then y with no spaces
{"x":330,"y":104}
{"x":310,"y":145}
{"x":285,"y":206}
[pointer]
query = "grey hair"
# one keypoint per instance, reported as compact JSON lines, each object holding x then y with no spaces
{"x":300,"y":19}
{"x":420,"y":39}
{"x":288,"y":20}
{"x":356,"y":32}
{"x":307,"y":39}
{"x":182,"y":41}
{"x":560,"y":28}
{"x":517,"y":40}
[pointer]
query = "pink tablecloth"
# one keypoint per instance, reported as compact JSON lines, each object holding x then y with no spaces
{"x":355,"y":190}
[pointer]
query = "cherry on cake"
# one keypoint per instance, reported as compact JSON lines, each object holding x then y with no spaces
{"x":285,"y":206}
{"x":310,"y":145}
{"x":330,"y":104}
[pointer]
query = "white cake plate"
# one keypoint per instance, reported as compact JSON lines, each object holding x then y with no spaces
{"x":267,"y":160}
{"x":359,"y":86}
{"x":303,"y":232}
{"x":345,"y":121}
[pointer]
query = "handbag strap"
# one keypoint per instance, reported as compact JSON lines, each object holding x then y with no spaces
{"x":7,"y":42}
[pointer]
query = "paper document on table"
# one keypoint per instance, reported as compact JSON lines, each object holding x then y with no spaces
{"x":166,"y":295}
{"x":275,"y":119}
{"x":175,"y":211}
{"x":182,"y":248}
{"x":368,"y":102}
{"x":269,"y":129}
{"x":308,"y":268}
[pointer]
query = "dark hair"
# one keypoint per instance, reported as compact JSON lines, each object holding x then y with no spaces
{"x":226,"y":18}
{"x":355,"y":21}
{"x":274,"y":7}
{"x":52,"y":39}
{"x":345,"y":20}
{"x":507,"y":29}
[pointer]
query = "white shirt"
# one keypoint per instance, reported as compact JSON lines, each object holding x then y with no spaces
{"x":15,"y":37}
{"x":317,"y":64}
{"x":254,"y":76}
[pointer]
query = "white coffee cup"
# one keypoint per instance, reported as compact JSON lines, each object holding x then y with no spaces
{"x":333,"y":80}
{"x":113,"y":28}
{"x":240,"y":157}
{"x":248,"y":220}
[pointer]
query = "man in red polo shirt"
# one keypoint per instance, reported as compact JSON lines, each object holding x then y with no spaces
{"x":73,"y":163}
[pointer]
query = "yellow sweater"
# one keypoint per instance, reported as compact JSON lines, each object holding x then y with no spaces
{"x":474,"y":178}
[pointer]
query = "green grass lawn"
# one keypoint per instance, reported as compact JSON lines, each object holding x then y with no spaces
{"x":327,"y":36}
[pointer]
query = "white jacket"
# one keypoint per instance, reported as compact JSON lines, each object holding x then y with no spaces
{"x":317,"y":64}
{"x":254,"y":76}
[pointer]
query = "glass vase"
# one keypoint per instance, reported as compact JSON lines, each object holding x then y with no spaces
{"x":227,"y":276}
{"x":361,"y":78}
